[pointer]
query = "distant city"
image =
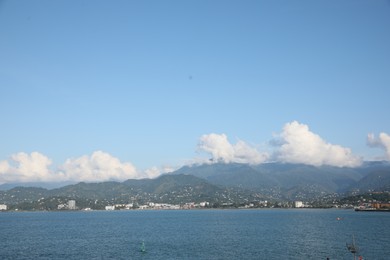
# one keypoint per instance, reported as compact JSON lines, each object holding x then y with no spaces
{"x":219,"y":185}
{"x":366,"y":202}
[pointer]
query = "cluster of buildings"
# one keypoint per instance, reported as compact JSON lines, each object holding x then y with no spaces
{"x":156,"y":206}
{"x":70,"y":205}
{"x":299,"y":204}
{"x":373,"y":206}
{"x":378,"y":205}
{"x":363,"y":206}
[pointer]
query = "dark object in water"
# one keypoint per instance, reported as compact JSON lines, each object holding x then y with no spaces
{"x":353,"y":248}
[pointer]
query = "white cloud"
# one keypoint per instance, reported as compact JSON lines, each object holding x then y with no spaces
{"x":34,"y":167}
{"x":383,"y":141}
{"x":23,"y":167}
{"x":154,"y":171}
{"x":299,"y":145}
{"x":100,"y":166}
{"x":4,"y":167}
{"x":296,"y":144}
{"x":222,"y":150}
{"x":218,"y":146}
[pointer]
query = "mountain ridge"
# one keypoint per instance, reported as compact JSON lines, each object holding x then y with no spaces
{"x":173,"y":189}
{"x":328,"y":179}
{"x":233,"y":183}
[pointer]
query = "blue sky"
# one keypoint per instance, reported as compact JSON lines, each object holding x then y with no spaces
{"x":144,"y":81}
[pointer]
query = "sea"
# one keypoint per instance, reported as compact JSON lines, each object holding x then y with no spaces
{"x":195,"y":234}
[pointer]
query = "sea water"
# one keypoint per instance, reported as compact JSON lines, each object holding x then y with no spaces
{"x":194,"y":234}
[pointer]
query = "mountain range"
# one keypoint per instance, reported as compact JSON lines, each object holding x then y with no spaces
{"x":267,"y":178}
{"x":220,"y":183}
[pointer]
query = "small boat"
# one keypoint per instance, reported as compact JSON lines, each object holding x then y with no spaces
{"x":143,"y":248}
{"x":353,"y":248}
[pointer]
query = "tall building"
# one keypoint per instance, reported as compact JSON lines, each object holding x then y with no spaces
{"x":72,"y":204}
{"x":299,"y":204}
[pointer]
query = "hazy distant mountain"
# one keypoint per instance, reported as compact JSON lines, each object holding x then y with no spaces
{"x":291,"y":179}
{"x":45,"y":185}
{"x":376,"y":180}
{"x":234,"y":174}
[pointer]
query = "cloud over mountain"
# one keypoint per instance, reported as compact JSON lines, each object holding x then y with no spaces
{"x":222,"y":150}
{"x":383,"y":141}
{"x":98,"y":166}
{"x":35,"y":167}
{"x":23,"y":167}
{"x":297,"y":144}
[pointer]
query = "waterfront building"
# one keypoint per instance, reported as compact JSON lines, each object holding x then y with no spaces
{"x":204,"y":204}
{"x":72,"y":204}
{"x":129,"y":206}
{"x":3,"y":207}
{"x":298,"y":204}
{"x":110,"y":207}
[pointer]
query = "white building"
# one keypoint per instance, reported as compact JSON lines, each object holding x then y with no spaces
{"x":298,"y":204}
{"x":71,"y":204}
{"x":203,"y":204}
{"x":129,"y":206}
{"x":110,"y":207}
{"x":3,"y":207}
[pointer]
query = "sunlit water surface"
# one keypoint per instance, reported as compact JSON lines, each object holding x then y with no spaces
{"x":194,"y":234}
